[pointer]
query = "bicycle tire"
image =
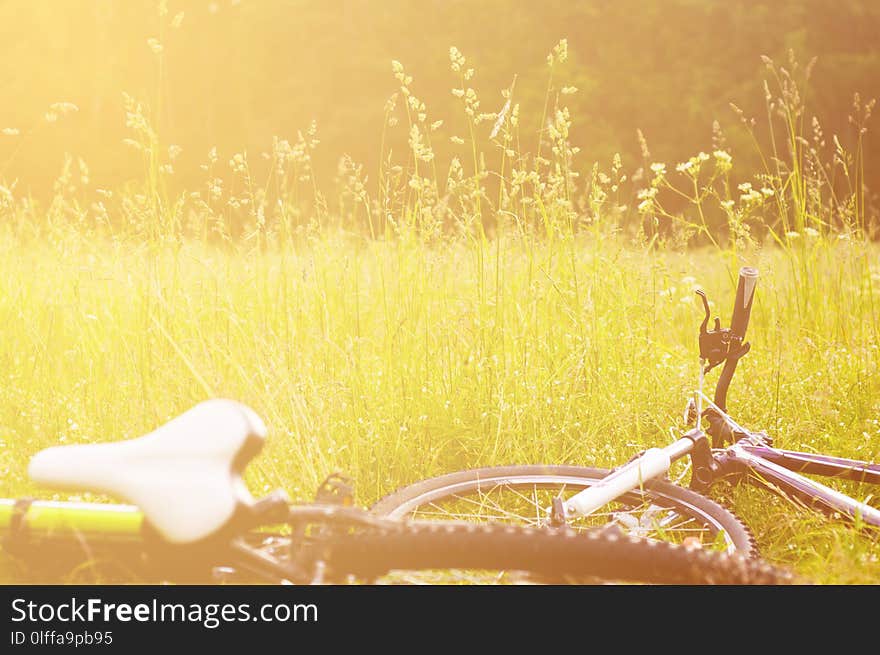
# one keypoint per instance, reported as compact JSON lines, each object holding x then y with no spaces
{"x":560,"y":555}
{"x":717,"y":522}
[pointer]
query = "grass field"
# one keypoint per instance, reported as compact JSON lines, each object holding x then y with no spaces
{"x":397,"y":361}
{"x":512,"y":310}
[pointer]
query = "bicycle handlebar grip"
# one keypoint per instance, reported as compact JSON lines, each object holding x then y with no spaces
{"x":745,"y":294}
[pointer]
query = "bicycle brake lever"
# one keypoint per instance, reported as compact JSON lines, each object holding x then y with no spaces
{"x":715,"y":343}
{"x":705,"y":323}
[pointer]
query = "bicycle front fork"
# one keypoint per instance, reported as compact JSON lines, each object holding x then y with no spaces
{"x":652,"y":463}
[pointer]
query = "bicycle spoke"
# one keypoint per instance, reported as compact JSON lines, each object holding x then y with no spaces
{"x":529,"y":504}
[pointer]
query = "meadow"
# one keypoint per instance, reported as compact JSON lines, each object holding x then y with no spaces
{"x":501,"y":307}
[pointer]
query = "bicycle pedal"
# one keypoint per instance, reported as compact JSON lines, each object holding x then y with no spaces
{"x":337,"y":489}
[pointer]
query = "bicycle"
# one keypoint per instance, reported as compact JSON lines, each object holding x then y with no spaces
{"x":637,"y":497}
{"x":193,"y":520}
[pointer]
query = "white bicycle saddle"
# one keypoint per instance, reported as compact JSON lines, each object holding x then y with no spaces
{"x":185,"y":476}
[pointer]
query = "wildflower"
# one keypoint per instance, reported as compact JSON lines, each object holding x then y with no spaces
{"x":569,"y":90}
{"x":10,"y":131}
{"x":457,"y":140}
{"x":647,"y":197}
{"x":238,"y":163}
{"x":514,"y":116}
{"x":811,"y":232}
{"x":155,"y":46}
{"x":559,"y":54}
{"x":658,"y":168}
{"x":767,"y":191}
{"x":692,"y":166}
{"x":751,"y":197}
{"x":133,"y":144}
{"x":62,"y":108}
{"x":792,"y":235}
{"x":421,"y":151}
{"x":391,"y":103}
{"x":215,"y":188}
{"x":723,"y":160}
{"x":400,"y":75}
{"x":456,"y":59}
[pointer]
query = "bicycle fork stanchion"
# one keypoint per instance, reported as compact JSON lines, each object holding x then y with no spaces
{"x":651,"y":464}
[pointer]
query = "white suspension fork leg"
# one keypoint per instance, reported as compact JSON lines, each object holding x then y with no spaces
{"x":653,"y":463}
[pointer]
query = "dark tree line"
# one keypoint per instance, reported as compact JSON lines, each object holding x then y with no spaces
{"x":236,"y":73}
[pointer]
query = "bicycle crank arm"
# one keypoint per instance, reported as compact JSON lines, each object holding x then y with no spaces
{"x":651,"y":464}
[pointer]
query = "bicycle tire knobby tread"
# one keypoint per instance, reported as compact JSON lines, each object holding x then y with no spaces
{"x":559,"y":554}
{"x":736,"y":528}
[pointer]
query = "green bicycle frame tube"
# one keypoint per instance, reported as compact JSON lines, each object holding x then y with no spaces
{"x":50,"y":519}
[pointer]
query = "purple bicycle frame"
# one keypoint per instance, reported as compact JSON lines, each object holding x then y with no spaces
{"x":780,"y":471}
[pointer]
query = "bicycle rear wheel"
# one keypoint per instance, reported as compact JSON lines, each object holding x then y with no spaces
{"x":521,"y":495}
{"x":557,"y":556}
